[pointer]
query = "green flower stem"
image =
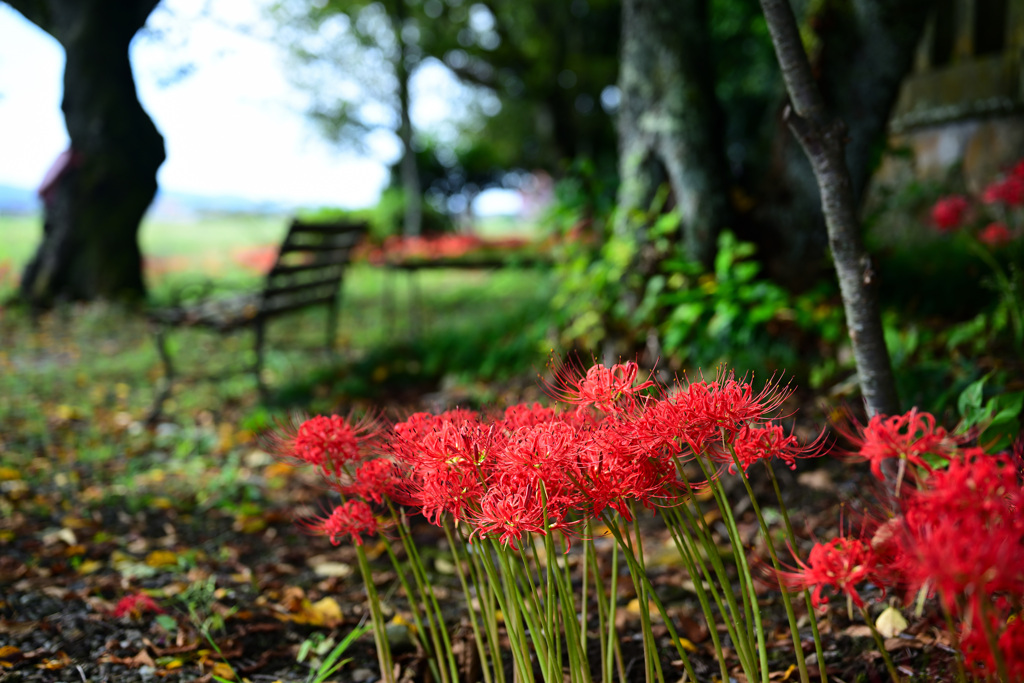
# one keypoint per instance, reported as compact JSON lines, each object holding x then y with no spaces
{"x":637,"y":574}
{"x":752,"y":611}
{"x":880,"y":643}
{"x":474,"y":623}
{"x":432,"y":648}
{"x":590,"y":565}
{"x":791,"y":539}
{"x":614,"y":646}
{"x":513,"y":625}
{"x":380,"y":635}
{"x":539,"y":612}
{"x":736,"y":623}
{"x":647,"y":589}
{"x":485,"y":598}
{"x":690,"y":560}
{"x":575,"y":641}
{"x":798,"y":649}
{"x":439,"y":629}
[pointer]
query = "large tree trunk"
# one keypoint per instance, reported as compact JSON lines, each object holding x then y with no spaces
{"x":90,"y":245}
{"x":412,"y":186}
{"x":669,"y":122}
{"x":866,"y":49}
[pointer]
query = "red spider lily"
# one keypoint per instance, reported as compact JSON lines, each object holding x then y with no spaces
{"x":729,"y":404}
{"x":418,"y":426}
{"x":375,"y":480}
{"x":949,"y":212}
{"x":523,"y":415}
{"x":995,"y":235}
{"x":908,"y":437}
{"x":608,"y":473}
{"x":513,"y":508}
{"x":542,"y":454}
{"x":326,"y":442}
{"x":755,"y":443}
{"x":964,"y":531}
{"x":1009,"y":191}
{"x":136,"y":605}
{"x":444,"y":465}
{"x":840,"y":564}
{"x":977,"y":650}
{"x":352,"y":518}
{"x":601,"y":387}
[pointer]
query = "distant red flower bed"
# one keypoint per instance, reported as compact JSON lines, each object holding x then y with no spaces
{"x":442,"y":248}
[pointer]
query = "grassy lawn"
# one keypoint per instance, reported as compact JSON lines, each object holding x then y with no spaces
{"x":76,"y":386}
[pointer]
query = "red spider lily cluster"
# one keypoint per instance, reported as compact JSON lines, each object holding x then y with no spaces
{"x":1004,"y":197}
{"x":537,"y":470}
{"x":956,"y":531}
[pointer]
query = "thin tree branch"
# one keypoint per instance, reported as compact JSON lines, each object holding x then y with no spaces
{"x":823,"y":141}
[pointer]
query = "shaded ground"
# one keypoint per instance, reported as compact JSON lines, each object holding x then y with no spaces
{"x":242,"y":589}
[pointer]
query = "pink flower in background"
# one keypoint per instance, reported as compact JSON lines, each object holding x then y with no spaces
{"x":995,"y":235}
{"x":948,"y":213}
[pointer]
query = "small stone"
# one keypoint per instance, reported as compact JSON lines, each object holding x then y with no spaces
{"x":361,"y":675}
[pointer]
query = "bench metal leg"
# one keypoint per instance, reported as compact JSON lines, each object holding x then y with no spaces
{"x":260,"y":337}
{"x":168,"y":378}
{"x":333,"y":311}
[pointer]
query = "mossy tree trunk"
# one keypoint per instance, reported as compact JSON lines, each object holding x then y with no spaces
{"x":669,"y":122}
{"x":90,"y":245}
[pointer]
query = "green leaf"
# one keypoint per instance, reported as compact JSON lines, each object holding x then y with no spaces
{"x":970,"y":398}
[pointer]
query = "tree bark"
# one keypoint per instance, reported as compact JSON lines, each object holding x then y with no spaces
{"x":867,"y":49}
{"x":90,"y":244}
{"x":823,"y":140}
{"x":669,"y":122}
{"x":412,"y":187}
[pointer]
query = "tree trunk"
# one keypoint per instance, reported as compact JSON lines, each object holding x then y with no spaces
{"x":412,"y":187}
{"x":90,"y":244}
{"x":823,"y":140}
{"x":867,"y":48}
{"x":669,"y":122}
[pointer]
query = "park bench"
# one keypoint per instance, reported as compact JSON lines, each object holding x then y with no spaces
{"x":307,"y":272}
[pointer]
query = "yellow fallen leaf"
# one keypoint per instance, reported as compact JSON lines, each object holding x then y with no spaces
{"x":66,"y":412}
{"x":327,"y":611}
{"x":161,"y":558}
{"x":223,"y":670}
{"x":399,"y":620}
{"x":890,"y":622}
{"x":634,"y":608}
{"x":687,"y":645}
{"x":278,"y":469}
{"x":9,"y":474}
{"x":8,"y":651}
{"x":163,"y":503}
{"x":89,"y":567}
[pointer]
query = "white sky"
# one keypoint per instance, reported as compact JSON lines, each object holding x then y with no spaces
{"x":234,"y":127}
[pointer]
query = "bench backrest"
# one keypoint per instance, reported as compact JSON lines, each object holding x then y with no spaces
{"x":310,"y":265}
